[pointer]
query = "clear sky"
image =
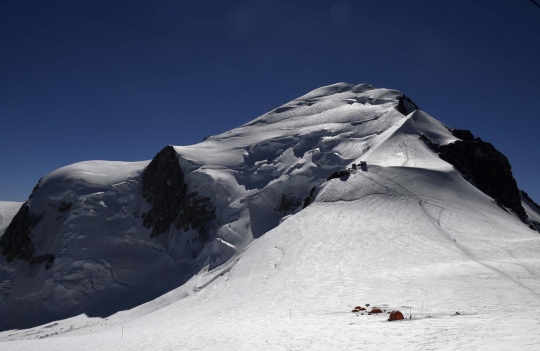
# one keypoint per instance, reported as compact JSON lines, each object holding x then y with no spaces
{"x":119,"y":80}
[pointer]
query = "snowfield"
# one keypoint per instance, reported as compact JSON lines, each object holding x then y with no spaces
{"x":406,"y":232}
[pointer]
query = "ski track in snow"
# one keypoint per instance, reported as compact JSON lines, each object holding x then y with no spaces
{"x":471,"y":255}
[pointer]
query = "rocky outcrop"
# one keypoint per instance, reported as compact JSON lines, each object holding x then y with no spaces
{"x":16,"y":243}
{"x":463,"y":134}
{"x":483,"y":166}
{"x":17,"y":239}
{"x":405,"y":105}
{"x":164,"y":188}
{"x":342,"y":174}
{"x":288,"y":203}
{"x":309,"y":198}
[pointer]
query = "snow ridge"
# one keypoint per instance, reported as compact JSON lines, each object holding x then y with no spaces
{"x":249,"y":217}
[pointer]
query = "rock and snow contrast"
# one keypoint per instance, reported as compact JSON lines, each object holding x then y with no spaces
{"x":7,"y":212}
{"x":266,"y":236}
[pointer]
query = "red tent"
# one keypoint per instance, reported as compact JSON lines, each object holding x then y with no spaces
{"x":358,"y":309}
{"x":395,"y":316}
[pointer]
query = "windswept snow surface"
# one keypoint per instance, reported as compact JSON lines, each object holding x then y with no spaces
{"x":407,"y":232}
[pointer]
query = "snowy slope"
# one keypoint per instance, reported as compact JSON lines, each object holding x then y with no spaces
{"x":406,"y":231}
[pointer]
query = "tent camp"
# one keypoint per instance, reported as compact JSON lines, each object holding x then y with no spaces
{"x":395,"y":316}
{"x":358,"y":309}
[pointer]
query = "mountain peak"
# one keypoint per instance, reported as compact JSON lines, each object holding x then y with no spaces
{"x":96,"y":231}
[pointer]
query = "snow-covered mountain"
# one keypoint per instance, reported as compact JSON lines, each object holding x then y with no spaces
{"x":272,"y":231}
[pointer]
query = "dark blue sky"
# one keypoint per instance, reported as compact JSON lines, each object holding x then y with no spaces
{"x":119,"y":80}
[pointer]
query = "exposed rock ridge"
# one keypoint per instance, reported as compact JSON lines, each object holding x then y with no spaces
{"x":16,"y":243}
{"x":483,"y":166}
{"x":164,"y":188}
{"x":406,"y":105}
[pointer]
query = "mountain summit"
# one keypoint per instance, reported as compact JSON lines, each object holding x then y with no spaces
{"x":346,"y":192}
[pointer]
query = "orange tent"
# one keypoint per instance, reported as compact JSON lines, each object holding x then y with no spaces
{"x":358,"y":309}
{"x":376,"y":310}
{"x":395,"y":316}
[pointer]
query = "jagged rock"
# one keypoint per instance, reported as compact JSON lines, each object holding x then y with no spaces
{"x":433,"y":146}
{"x":198,"y":213}
{"x":339,"y":174}
{"x":309,"y":198}
{"x":485,"y":167}
{"x":463,"y":134}
{"x":163,"y":187}
{"x":287,"y":204}
{"x":307,"y":202}
{"x":17,"y":242}
{"x":405,"y":105}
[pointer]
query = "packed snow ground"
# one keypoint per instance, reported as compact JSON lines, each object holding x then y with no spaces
{"x":406,"y":233}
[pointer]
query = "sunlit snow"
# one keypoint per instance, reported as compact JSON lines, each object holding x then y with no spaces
{"x":406,"y":233}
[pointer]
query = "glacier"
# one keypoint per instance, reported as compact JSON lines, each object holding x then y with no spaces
{"x":247,"y":240}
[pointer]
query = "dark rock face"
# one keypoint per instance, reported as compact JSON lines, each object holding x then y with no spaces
{"x":406,"y":105}
{"x":198,"y":213}
{"x":307,"y":202}
{"x":485,"y":167}
{"x":163,"y":187}
{"x":16,"y":243}
{"x":17,"y":240}
{"x":342,"y":174}
{"x":463,"y":134}
{"x":308,"y":199}
{"x":288,"y":203}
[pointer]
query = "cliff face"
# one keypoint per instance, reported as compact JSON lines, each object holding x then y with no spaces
{"x":164,"y":188}
{"x":16,"y":243}
{"x":405,"y":105}
{"x":483,"y":166}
